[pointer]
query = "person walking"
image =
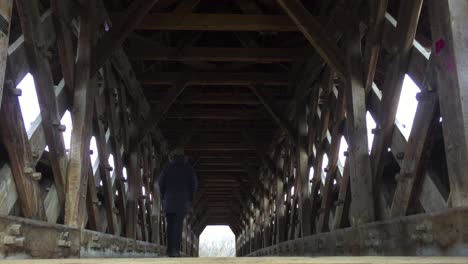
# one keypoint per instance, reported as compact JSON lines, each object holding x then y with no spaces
{"x":177,"y":185}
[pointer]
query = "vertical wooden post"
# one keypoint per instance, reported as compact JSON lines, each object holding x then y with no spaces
{"x":15,"y":140}
{"x":132,"y":198}
{"x":449,"y":32}
{"x":362,"y":205}
{"x":302,"y":171}
{"x":280,"y":210}
{"x":83,"y":102}
{"x":6,"y":7}
{"x":92,"y":203}
{"x":35,"y":39}
{"x":104,"y":166}
{"x":112,"y":92}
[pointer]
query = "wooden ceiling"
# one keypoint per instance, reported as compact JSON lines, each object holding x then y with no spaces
{"x":233,"y":67}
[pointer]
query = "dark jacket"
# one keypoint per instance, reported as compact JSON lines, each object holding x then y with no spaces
{"x":177,"y":185}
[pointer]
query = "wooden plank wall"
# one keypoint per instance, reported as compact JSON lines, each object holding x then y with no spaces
{"x":39,"y":178}
{"x":366,"y":188}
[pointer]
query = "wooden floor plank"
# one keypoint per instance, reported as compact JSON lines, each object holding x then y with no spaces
{"x":278,"y":260}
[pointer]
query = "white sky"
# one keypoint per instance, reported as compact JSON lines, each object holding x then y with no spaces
{"x":217,"y":234}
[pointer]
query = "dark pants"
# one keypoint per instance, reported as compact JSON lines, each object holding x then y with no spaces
{"x":175,"y":223}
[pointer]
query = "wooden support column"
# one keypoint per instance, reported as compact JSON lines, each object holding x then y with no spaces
{"x":112,"y":94}
{"x":449,"y":33}
{"x":35,"y":39}
{"x":408,"y":18}
{"x":104,"y":166}
{"x":302,"y":172}
{"x":362,"y":205}
{"x":83,"y":104}
{"x":377,"y":10}
{"x":92,"y":201}
{"x":344,"y":200}
{"x":412,"y":168}
{"x":279,"y":202}
{"x":332,"y":168}
{"x":6,"y":8}
{"x":133,"y":194}
{"x":66,"y":50}
{"x":15,"y":140}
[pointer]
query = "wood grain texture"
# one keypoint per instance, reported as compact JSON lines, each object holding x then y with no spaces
{"x":277,"y":260}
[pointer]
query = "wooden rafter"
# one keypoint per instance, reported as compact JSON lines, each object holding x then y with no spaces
{"x":277,"y":117}
{"x":216,"y":22}
{"x":314,"y":33}
{"x":120,"y":31}
{"x":215,"y":78}
{"x":159,"y":112}
{"x":142,"y":51}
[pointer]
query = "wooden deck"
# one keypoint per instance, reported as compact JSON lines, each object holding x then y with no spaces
{"x":278,"y":260}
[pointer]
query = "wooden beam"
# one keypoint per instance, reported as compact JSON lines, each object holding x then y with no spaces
{"x":61,"y":9}
{"x":302,"y":172}
{"x":104,"y":166}
{"x":315,"y":34}
{"x":449,"y":30}
{"x":406,"y":30}
{"x":122,"y":27}
{"x":215,"y":78}
{"x":411,"y":171}
{"x":15,"y":140}
{"x":216,"y":22}
{"x":112,"y":89}
{"x":146,"y":51}
{"x":6,"y":8}
{"x":333,"y":171}
{"x":430,"y":198}
{"x":83,"y":104}
{"x":210,"y":114}
{"x":261,"y":152}
{"x":362,"y":206}
{"x":186,"y":7}
{"x":373,"y":39}
{"x":123,"y":67}
{"x":133,"y":194}
{"x":34,"y":34}
{"x":89,"y":193}
{"x":276,"y":116}
{"x":344,"y":200}
{"x":213,"y":99}
{"x":159,"y":112}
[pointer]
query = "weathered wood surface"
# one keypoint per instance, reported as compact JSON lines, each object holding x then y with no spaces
{"x":6,"y":8}
{"x":14,"y":138}
{"x":40,"y":68}
{"x":450,"y":28}
{"x":83,"y":104}
{"x":276,"y":260}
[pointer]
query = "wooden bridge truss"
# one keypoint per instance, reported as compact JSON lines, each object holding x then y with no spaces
{"x":260,"y":94}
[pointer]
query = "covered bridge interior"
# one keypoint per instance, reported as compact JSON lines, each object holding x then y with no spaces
{"x":271,"y":99}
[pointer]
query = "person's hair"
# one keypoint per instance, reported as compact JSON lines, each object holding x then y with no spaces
{"x":178,"y":151}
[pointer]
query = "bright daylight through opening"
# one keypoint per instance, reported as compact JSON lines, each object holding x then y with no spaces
{"x":217,"y":241}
